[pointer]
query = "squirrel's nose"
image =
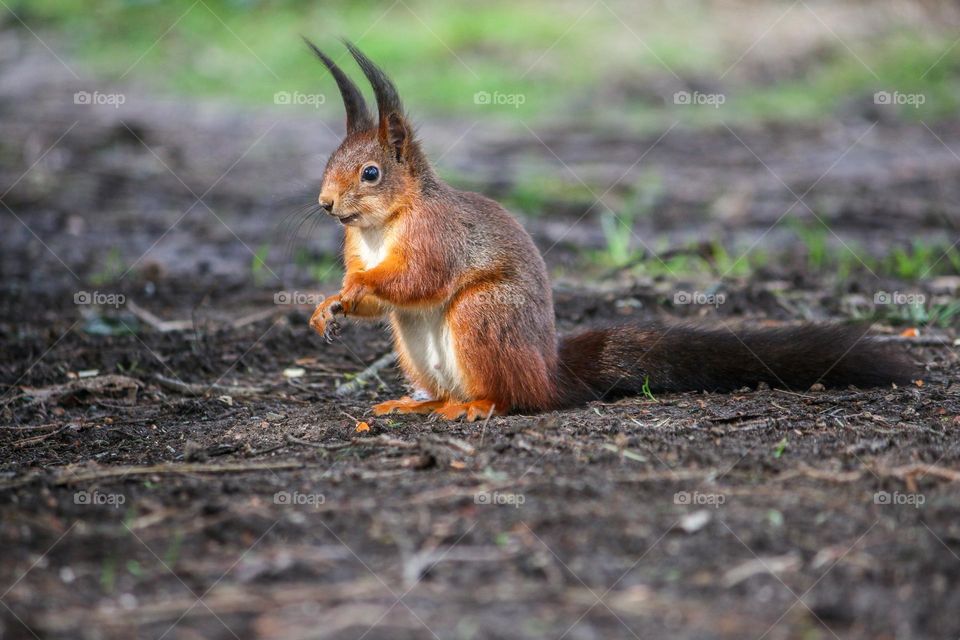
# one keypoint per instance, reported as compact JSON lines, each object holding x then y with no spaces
{"x":326,"y":203}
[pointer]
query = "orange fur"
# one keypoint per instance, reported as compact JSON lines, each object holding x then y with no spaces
{"x":406,"y":405}
{"x":473,"y":410}
{"x":510,"y":374}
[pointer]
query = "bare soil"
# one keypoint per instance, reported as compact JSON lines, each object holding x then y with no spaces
{"x":190,"y":489}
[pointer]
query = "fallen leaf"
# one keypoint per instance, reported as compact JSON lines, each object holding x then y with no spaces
{"x":912,"y":332}
{"x":294,"y":372}
{"x":361,"y":427}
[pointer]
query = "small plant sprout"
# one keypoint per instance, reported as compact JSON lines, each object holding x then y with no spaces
{"x":780,"y":448}
{"x":647,"y":393}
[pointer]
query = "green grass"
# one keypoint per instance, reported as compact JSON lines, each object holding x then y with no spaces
{"x":921,"y":260}
{"x":904,"y":62}
{"x":817,"y":251}
{"x":258,"y":264}
{"x":172,"y":553}
{"x":908,"y":63}
{"x":724,"y":264}
{"x":667,"y":262}
{"x":928,"y":314}
{"x":617,"y":222}
{"x":108,"y":574}
{"x":914,"y":261}
{"x":110,"y":270}
{"x":559,"y":59}
{"x":647,"y":393}
{"x":818,"y":254}
{"x":781,"y":447}
{"x":259,"y":52}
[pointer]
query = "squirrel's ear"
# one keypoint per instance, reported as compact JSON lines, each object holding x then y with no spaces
{"x":394,"y":132}
{"x":358,"y":118}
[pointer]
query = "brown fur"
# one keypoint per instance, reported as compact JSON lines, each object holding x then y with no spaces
{"x":457,"y":268}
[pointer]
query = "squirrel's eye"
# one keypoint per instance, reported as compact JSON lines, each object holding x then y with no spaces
{"x":370,"y":173}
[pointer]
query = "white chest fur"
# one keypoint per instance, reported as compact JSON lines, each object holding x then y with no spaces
{"x":430,"y":348}
{"x":371,"y":247}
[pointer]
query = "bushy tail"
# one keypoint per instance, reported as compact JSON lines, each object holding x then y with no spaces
{"x":622,"y":360}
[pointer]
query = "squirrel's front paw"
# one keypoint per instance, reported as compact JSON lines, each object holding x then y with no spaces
{"x":354,"y":289}
{"x":324,"y":321}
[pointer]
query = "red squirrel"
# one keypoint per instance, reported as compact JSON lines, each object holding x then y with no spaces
{"x":470,"y":305}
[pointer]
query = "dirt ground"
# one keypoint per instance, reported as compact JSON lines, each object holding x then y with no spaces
{"x":178,"y":480}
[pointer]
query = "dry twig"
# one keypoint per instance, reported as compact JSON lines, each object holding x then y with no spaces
{"x":361,"y":379}
{"x":194,"y":389}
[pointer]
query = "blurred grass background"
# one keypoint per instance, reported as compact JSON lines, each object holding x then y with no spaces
{"x":599,"y":69}
{"x":608,"y":60}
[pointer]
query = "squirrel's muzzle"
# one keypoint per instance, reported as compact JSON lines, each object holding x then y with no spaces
{"x":326,"y":203}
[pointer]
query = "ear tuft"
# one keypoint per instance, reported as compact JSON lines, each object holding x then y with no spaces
{"x":393,"y":129}
{"x":358,"y":118}
{"x":387,"y":98}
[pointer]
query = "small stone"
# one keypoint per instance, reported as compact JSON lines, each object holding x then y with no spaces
{"x":693,"y":522}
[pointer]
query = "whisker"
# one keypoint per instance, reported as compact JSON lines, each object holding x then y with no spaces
{"x":293,"y":235}
{"x":295,"y":217}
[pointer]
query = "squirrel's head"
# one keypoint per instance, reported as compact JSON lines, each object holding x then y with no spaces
{"x":379,"y":165}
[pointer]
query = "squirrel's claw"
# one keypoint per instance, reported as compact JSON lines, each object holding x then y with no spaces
{"x":324,"y":321}
{"x":332,"y":330}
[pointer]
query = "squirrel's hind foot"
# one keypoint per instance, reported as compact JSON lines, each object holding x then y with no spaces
{"x":473,"y":410}
{"x":406,"y":405}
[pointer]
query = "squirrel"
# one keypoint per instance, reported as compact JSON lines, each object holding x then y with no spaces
{"x":470,"y":303}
